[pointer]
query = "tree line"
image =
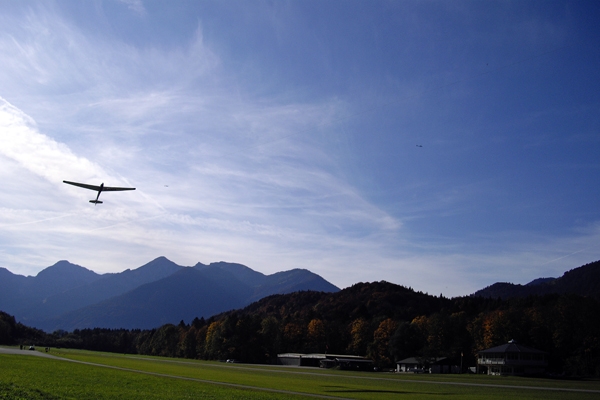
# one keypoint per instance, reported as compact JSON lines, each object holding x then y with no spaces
{"x":382,"y":321}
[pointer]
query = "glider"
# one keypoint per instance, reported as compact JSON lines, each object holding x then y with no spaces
{"x":99,"y":189}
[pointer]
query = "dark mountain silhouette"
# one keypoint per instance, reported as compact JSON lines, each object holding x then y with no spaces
{"x":540,"y":281}
{"x":184,"y":295}
{"x":22,"y":295}
{"x":62,"y":276}
{"x":237,"y":271}
{"x":189,"y":293}
{"x":371,"y":301}
{"x":57,"y":278}
{"x":66,"y":296}
{"x":12,"y":290}
{"x":277,"y":283}
{"x":109,"y":285}
{"x":584,"y":281}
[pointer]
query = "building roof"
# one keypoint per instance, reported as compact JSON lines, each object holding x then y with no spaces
{"x":320,"y":356}
{"x":420,"y":360}
{"x":511,"y":347}
{"x":354,"y":360}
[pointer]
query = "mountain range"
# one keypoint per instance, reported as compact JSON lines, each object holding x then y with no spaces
{"x":67,"y":296}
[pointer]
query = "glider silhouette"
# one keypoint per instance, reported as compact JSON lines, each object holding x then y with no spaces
{"x":99,"y":189}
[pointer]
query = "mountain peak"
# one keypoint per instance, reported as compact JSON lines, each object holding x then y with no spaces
{"x":160,"y":259}
{"x":160,"y":263}
{"x":65,"y":267}
{"x":61,"y":276}
{"x":540,"y":281}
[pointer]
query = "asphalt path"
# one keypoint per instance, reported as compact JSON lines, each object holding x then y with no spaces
{"x":27,"y":352}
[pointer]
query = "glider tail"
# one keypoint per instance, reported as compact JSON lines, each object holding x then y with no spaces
{"x":96,"y":201}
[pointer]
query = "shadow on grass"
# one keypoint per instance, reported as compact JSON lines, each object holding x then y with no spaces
{"x":343,"y":389}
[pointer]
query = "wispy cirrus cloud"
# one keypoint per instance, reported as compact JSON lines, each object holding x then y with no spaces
{"x":41,"y":155}
{"x":136,"y":6}
{"x":277,"y":161}
{"x":217,"y":173}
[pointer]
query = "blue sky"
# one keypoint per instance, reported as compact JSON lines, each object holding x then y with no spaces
{"x":288,"y":135}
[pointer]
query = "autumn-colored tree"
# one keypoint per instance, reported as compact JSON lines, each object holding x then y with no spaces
{"x":187,"y":347}
{"x":316,"y":336}
{"x":214,"y":341}
{"x":359,"y":337}
{"x":421,"y":323}
{"x":380,"y":348}
{"x":201,"y":341}
{"x":494,"y":329}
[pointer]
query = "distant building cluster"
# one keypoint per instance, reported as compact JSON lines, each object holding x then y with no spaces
{"x":438,"y":365}
{"x":346,"y":362}
{"x":508,"y":359}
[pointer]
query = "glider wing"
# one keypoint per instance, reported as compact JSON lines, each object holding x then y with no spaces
{"x":85,"y":185}
{"x":98,"y":188}
{"x":115,"y":189}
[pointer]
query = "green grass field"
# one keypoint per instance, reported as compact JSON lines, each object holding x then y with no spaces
{"x":112,"y":376}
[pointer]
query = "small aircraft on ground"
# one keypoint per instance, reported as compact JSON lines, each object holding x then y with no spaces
{"x":99,"y":189}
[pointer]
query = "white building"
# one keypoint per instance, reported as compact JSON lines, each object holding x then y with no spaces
{"x":512,"y":359}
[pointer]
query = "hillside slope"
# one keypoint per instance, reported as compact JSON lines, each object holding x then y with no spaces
{"x":584,"y":281}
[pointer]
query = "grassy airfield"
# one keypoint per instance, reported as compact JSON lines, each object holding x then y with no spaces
{"x":92,"y":375}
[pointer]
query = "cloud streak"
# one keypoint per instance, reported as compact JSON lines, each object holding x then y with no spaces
{"x":238,"y":154}
{"x":39,"y":154}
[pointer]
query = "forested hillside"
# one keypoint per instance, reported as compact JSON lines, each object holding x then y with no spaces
{"x":381,"y":320}
{"x":584,"y":280}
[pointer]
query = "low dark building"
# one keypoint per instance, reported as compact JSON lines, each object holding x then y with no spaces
{"x":326,"y":361}
{"x":342,"y":362}
{"x":300,"y":360}
{"x":438,"y":365}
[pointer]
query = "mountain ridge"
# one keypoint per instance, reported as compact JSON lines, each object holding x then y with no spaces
{"x":584,"y":280}
{"x":84,"y":299}
{"x":68,"y":296}
{"x":106,"y":286}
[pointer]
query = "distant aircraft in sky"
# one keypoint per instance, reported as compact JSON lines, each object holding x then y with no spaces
{"x":419,"y":145}
{"x":99,"y":189}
